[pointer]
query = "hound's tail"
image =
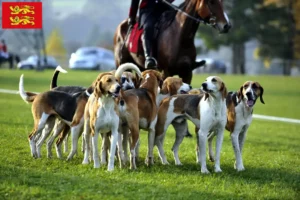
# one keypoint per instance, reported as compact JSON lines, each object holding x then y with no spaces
{"x":55,"y":75}
{"x":127,"y":66}
{"x":26,"y":96}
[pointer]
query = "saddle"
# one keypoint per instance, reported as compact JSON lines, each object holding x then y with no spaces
{"x":134,"y":38}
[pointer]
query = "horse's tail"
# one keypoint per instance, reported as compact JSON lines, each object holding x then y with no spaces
{"x":199,"y":64}
{"x":26,"y":96}
{"x":53,"y":83}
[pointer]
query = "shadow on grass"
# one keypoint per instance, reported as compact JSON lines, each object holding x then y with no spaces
{"x":258,"y":175}
{"x":90,"y":183}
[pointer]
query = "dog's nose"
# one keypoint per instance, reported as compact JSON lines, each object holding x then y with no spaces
{"x":250,"y":95}
{"x":204,"y":85}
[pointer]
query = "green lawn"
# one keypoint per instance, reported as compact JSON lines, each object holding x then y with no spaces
{"x":271,"y":154}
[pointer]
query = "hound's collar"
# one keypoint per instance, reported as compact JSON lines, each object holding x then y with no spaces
{"x":87,"y":93}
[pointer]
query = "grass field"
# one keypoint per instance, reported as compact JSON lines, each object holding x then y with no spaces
{"x":271,"y":154}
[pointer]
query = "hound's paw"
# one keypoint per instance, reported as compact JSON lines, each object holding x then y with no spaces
{"x":110,"y":169}
{"x":85,"y":162}
{"x":149,"y":161}
{"x":34,"y":155}
{"x":178,"y":163}
{"x":218,"y":170}
{"x":240,"y":168}
{"x":96,"y":166}
{"x":204,"y":171}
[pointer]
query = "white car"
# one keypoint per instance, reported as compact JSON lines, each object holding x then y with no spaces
{"x":32,"y":61}
{"x":211,"y":66}
{"x":95,"y":58}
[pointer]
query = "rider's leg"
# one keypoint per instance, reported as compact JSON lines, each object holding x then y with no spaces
{"x":147,"y":39}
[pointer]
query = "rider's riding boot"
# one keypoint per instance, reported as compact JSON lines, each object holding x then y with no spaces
{"x":150,"y":62}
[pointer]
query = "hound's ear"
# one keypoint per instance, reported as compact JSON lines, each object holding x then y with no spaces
{"x":137,"y":81}
{"x":98,"y":89}
{"x":159,"y":78}
{"x":240,"y":94}
{"x":164,"y":88}
{"x":223,"y":90}
{"x":261,"y":94}
{"x":172,"y":89}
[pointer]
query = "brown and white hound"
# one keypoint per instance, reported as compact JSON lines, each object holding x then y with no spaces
{"x":206,"y":111}
{"x":239,"y":117}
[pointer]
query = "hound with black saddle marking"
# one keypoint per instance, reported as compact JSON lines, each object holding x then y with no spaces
{"x":61,"y":104}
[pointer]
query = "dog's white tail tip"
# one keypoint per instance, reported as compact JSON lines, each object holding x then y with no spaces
{"x":21,"y":89}
{"x":60,"y":69}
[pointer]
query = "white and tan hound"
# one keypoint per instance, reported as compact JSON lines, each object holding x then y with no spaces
{"x":102,"y":114}
{"x":239,"y":117}
{"x":171,"y":86}
{"x":207,"y":112}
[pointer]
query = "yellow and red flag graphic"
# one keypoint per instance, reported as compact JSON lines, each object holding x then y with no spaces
{"x":22,"y":15}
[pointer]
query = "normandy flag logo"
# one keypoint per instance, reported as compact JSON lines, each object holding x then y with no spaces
{"x":22,"y":15}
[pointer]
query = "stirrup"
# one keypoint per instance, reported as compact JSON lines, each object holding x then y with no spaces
{"x":150,"y":63}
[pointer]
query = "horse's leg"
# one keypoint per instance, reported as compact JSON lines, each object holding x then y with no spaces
{"x":165,"y":74}
{"x":186,"y":75}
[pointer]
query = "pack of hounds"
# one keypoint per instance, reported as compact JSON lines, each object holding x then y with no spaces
{"x":119,"y":103}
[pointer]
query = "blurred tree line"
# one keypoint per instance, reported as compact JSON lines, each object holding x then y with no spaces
{"x":274,"y":23}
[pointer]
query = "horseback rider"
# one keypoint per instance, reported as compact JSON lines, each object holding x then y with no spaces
{"x":150,"y":11}
{"x":3,"y":49}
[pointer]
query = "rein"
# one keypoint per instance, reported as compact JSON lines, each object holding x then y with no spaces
{"x":198,"y":20}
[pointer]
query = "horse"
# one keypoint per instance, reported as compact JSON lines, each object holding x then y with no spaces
{"x":174,"y":46}
{"x":10,"y":59}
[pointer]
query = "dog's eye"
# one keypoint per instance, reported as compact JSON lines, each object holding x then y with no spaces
{"x":245,"y":86}
{"x":108,"y":80}
{"x":254,"y":86}
{"x":214,"y":80}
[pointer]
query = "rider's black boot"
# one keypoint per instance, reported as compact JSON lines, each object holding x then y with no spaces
{"x":150,"y":62}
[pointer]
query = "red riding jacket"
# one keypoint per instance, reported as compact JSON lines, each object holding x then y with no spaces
{"x":135,"y":5}
{"x":3,"y":48}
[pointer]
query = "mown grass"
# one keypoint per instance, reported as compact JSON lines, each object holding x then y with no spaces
{"x":271,"y":153}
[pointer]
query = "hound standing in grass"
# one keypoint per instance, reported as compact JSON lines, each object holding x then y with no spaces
{"x":239,"y":117}
{"x":207,"y":112}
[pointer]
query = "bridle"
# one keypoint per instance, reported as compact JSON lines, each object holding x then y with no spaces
{"x":212,"y":20}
